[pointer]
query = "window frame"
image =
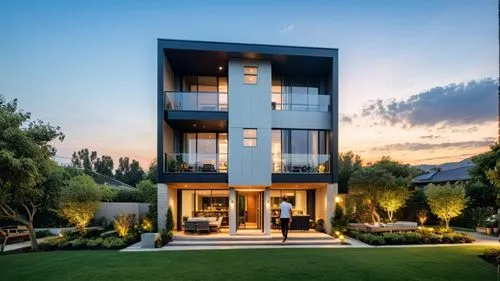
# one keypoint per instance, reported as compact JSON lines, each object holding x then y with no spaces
{"x":256,"y":74}
{"x":250,"y":138}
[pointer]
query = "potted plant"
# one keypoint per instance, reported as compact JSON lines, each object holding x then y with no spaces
{"x":481,"y":227}
{"x":491,"y":224}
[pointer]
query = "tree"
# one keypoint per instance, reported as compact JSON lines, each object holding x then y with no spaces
{"x":79,"y":201}
{"x":104,"y":165}
{"x":339,"y":220}
{"x":348,"y":163}
{"x":446,"y":201}
{"x":152,"y":172}
{"x":129,"y":172}
{"x":90,"y":162}
{"x":396,"y":169}
{"x":394,"y":198}
{"x":25,"y":152}
{"x":485,"y":162}
{"x":169,"y":222}
{"x":148,"y":191}
{"x":369,"y":184}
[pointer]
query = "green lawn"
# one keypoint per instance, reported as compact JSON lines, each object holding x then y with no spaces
{"x":444,"y":263}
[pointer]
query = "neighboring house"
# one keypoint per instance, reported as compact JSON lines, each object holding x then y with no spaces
{"x":241,"y":125}
{"x":460,"y":174}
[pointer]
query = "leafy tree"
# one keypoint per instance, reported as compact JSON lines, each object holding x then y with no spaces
{"x":79,"y":201}
{"x":446,"y":201}
{"x":485,"y":162}
{"x":339,"y":220}
{"x":129,"y":172}
{"x":348,"y":163}
{"x":104,"y":165}
{"x":480,"y":195}
{"x":396,"y":169}
{"x":25,"y":152}
{"x":89,"y":161}
{"x":369,"y":184}
{"x":393,"y":198}
{"x":152,"y":172}
{"x":148,"y":191}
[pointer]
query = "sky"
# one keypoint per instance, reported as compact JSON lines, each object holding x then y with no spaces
{"x":418,"y":79}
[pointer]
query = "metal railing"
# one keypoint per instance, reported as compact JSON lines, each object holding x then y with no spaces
{"x":195,"y":163}
{"x":300,"y":102}
{"x":196,"y":101}
{"x":301,"y":163}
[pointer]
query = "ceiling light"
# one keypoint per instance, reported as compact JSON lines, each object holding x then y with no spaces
{"x":220,"y":67}
{"x":194,"y":125}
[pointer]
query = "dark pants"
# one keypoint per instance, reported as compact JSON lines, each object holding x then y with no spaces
{"x":284,"y":226}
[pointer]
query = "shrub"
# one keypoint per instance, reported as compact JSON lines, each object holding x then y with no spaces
{"x":413,"y":238}
{"x":491,"y":253}
{"x":43,"y":233}
{"x":113,"y":243}
{"x":394,"y":238}
{"x":372,"y":239}
{"x":128,"y":195}
{"x":169,"y":226}
{"x":320,"y":225}
{"x":79,"y":243}
{"x":123,"y":223}
{"x":339,"y":221}
{"x":147,"y":224}
{"x":95,"y":243}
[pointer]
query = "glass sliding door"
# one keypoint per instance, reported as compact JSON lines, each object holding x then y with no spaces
{"x":207,"y":151}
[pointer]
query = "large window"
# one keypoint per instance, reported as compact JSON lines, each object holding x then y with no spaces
{"x":205,"y":203}
{"x":298,"y":199}
{"x":300,"y":151}
{"x":299,"y":94}
{"x":211,"y":93}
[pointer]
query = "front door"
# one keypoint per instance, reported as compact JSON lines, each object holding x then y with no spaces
{"x":249,"y":214}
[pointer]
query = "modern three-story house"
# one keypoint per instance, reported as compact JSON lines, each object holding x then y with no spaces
{"x":240,"y":126}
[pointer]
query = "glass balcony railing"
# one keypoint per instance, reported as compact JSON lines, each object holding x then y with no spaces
{"x":301,"y":163}
{"x":195,"y":163}
{"x":196,"y":101}
{"x":300,"y":102}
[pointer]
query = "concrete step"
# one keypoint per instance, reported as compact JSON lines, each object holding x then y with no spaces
{"x":268,"y":242}
{"x":248,"y":238}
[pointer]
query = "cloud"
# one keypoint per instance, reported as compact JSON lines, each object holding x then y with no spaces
{"x":417,"y":146}
{"x":452,"y":105}
{"x":430,"y":137}
{"x":288,"y":28}
{"x":347,"y":119}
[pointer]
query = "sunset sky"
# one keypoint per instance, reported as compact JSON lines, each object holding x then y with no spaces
{"x":418,"y":79}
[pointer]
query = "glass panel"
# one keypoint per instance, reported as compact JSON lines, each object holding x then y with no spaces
{"x":223,"y":102}
{"x":276,"y":101}
{"x":322,"y":143}
{"x":189,"y":155}
{"x":207,"y":101}
{"x":206,"y":152}
{"x":223,"y":84}
{"x":250,"y":70}
{"x":299,"y":90}
{"x":299,"y":142}
{"x":300,"y":202}
{"x":324,"y":103}
{"x":222,"y":165}
{"x":313,"y":142}
{"x":313,"y":87}
{"x":190,"y":84}
{"x":207,"y":84}
{"x":276,"y":150}
{"x":187,"y":204}
{"x":249,"y":142}
{"x":250,"y":79}
{"x":249,"y":133}
{"x":223,"y":143}
{"x":203,"y":200}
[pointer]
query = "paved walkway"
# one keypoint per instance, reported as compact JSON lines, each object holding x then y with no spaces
{"x":22,"y":245}
{"x":481,"y":240}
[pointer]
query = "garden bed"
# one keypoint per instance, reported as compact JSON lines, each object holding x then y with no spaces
{"x":412,"y":238}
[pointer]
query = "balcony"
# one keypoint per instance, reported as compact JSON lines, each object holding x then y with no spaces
{"x":195,"y":163}
{"x":301,"y":102}
{"x":301,"y":163}
{"x":196,"y":101}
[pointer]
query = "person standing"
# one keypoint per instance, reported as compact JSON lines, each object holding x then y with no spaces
{"x":285,"y":217}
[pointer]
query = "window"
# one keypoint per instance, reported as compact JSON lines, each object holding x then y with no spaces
{"x":250,"y":74}
{"x":249,"y":137}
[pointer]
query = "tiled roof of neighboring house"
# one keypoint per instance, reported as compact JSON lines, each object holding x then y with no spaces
{"x":452,"y":175}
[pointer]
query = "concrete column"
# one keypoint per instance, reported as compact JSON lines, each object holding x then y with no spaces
{"x":232,"y":211}
{"x":163,"y":202}
{"x":332,"y":191}
{"x":267,"y":211}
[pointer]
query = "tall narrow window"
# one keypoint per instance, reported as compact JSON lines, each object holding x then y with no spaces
{"x":250,"y":74}
{"x":249,"y":137}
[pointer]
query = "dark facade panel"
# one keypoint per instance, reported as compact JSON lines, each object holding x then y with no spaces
{"x":301,"y":178}
{"x":193,"y":177}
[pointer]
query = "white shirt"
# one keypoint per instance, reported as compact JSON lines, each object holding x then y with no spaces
{"x":285,"y":210}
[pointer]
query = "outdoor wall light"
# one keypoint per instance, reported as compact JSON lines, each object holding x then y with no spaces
{"x":338,"y":199}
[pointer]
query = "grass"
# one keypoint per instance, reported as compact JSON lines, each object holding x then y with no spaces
{"x":431,"y":263}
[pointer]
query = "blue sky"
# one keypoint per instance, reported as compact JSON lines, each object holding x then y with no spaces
{"x":90,"y":66}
